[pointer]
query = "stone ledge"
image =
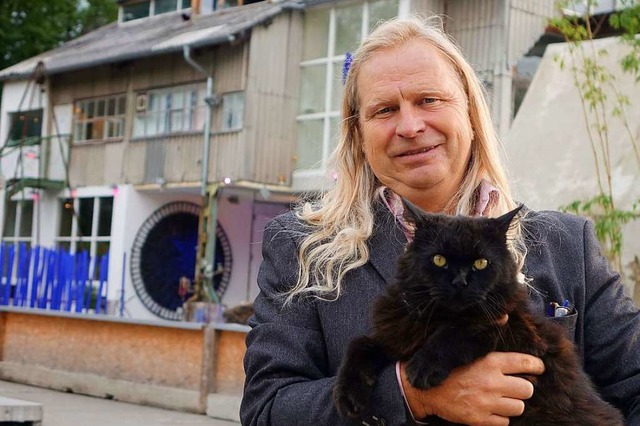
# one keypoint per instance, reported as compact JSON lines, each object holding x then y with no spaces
{"x":224,"y":406}
{"x":93,"y":385}
{"x":19,"y":411}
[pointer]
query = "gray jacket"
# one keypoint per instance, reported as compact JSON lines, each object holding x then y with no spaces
{"x":293,"y":354}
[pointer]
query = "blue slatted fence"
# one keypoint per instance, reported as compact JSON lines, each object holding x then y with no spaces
{"x":45,"y":278}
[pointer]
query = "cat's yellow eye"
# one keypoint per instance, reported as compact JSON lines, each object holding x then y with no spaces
{"x":480,"y":264}
{"x":439,"y":260}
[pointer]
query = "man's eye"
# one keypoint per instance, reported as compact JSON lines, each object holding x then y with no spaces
{"x":383,"y":111}
{"x":429,"y":100}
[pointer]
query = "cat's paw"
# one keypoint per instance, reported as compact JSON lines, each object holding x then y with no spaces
{"x":352,"y":397}
{"x":424,"y":375}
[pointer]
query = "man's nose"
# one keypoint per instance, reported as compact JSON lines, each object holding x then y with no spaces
{"x":410,"y":123}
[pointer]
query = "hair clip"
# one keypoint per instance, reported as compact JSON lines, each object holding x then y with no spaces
{"x":345,"y":68}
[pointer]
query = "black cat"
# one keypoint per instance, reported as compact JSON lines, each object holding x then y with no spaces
{"x":454,"y":281}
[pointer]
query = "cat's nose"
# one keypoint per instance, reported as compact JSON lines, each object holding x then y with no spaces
{"x":460,"y":281}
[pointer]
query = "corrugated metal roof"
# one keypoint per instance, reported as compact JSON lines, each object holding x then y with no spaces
{"x":149,"y":37}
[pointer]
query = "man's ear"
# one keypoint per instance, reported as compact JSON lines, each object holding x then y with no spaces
{"x":412,"y":213}
{"x":504,"y":221}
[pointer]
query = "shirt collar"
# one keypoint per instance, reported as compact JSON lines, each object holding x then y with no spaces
{"x":487,"y":196}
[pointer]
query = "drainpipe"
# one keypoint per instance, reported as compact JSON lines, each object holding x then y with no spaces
{"x":207,"y":122}
{"x":206,"y":270}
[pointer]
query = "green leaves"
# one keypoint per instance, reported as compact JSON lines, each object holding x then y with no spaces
{"x":602,"y":102}
{"x":607,"y":219}
{"x":30,"y":27}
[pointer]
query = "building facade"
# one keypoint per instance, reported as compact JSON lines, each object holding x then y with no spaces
{"x":134,"y":139}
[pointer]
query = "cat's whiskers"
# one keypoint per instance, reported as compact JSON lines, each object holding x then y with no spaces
{"x":416,"y":310}
{"x":434,"y":305}
{"x":490,"y":313}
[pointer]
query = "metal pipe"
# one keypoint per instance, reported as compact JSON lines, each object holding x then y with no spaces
{"x":207,"y":122}
{"x":206,"y":269}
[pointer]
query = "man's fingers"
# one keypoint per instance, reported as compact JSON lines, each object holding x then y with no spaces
{"x":518,"y":363}
{"x":516,"y":387}
{"x":495,"y":420}
{"x":508,"y":407}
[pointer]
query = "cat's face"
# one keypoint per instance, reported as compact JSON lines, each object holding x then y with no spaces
{"x":458,"y":262}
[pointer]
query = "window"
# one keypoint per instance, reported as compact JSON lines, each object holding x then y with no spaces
{"x":232,"y":111}
{"x":25,"y":125}
{"x":99,"y":119}
{"x":135,"y":11}
{"x":164,"y":6}
{"x":330,"y":33}
{"x":171,"y":110}
{"x":152,"y":7}
{"x":18,"y":221}
{"x":85,"y":225}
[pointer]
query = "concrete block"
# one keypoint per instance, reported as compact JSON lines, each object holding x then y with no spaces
{"x":19,"y":411}
{"x":224,"y":406}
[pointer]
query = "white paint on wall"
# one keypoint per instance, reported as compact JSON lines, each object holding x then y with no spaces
{"x":550,"y":157}
{"x":18,"y":96}
{"x":58,"y":150}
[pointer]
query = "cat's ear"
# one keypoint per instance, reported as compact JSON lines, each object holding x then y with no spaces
{"x":412,"y":213}
{"x":504,"y":221}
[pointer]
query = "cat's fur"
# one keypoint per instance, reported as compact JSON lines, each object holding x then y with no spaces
{"x":436,"y":319}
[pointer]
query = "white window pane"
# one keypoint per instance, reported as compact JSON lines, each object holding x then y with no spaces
{"x":138,"y":125}
{"x":232,"y":111}
{"x":382,"y":10}
{"x":200,"y":115}
{"x":97,"y":130}
{"x":316,"y":31}
{"x":122,"y":105}
{"x":312,"y":89}
{"x":135,"y":11}
{"x":177,"y":100}
{"x":154,"y":102}
{"x":66,"y":217}
{"x":90,"y":109}
{"x":26,"y":218}
{"x":100,"y":112}
{"x":164,"y":6}
{"x":80,"y":110}
{"x":171,"y":111}
{"x":348,"y":28}
{"x":111,"y":106}
{"x":78,"y":133}
{"x":10,"y":219}
{"x":177,"y":124}
{"x":334,"y":136}
{"x":106,"y":213}
{"x":337,"y":89}
{"x":309,"y":147}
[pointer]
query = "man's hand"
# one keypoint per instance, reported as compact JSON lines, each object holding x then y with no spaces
{"x":483,"y":393}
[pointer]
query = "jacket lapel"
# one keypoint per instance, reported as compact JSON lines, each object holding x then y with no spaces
{"x":386,"y":244}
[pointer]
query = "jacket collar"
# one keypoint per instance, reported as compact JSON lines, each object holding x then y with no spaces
{"x":386,"y":244}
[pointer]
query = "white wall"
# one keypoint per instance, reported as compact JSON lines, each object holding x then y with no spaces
{"x":58,"y":154}
{"x":20,"y":96}
{"x":548,"y":146}
{"x":132,"y":208}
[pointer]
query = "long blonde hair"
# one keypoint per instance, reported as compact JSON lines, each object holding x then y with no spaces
{"x":342,"y":221}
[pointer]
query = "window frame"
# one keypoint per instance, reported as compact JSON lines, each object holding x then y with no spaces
{"x":151,"y":11}
{"x":232,"y":99}
{"x":188,"y":109}
{"x":331,"y":62}
{"x":16,"y":238}
{"x":39,"y":112}
{"x":74,"y":238}
{"x":105,"y":118}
